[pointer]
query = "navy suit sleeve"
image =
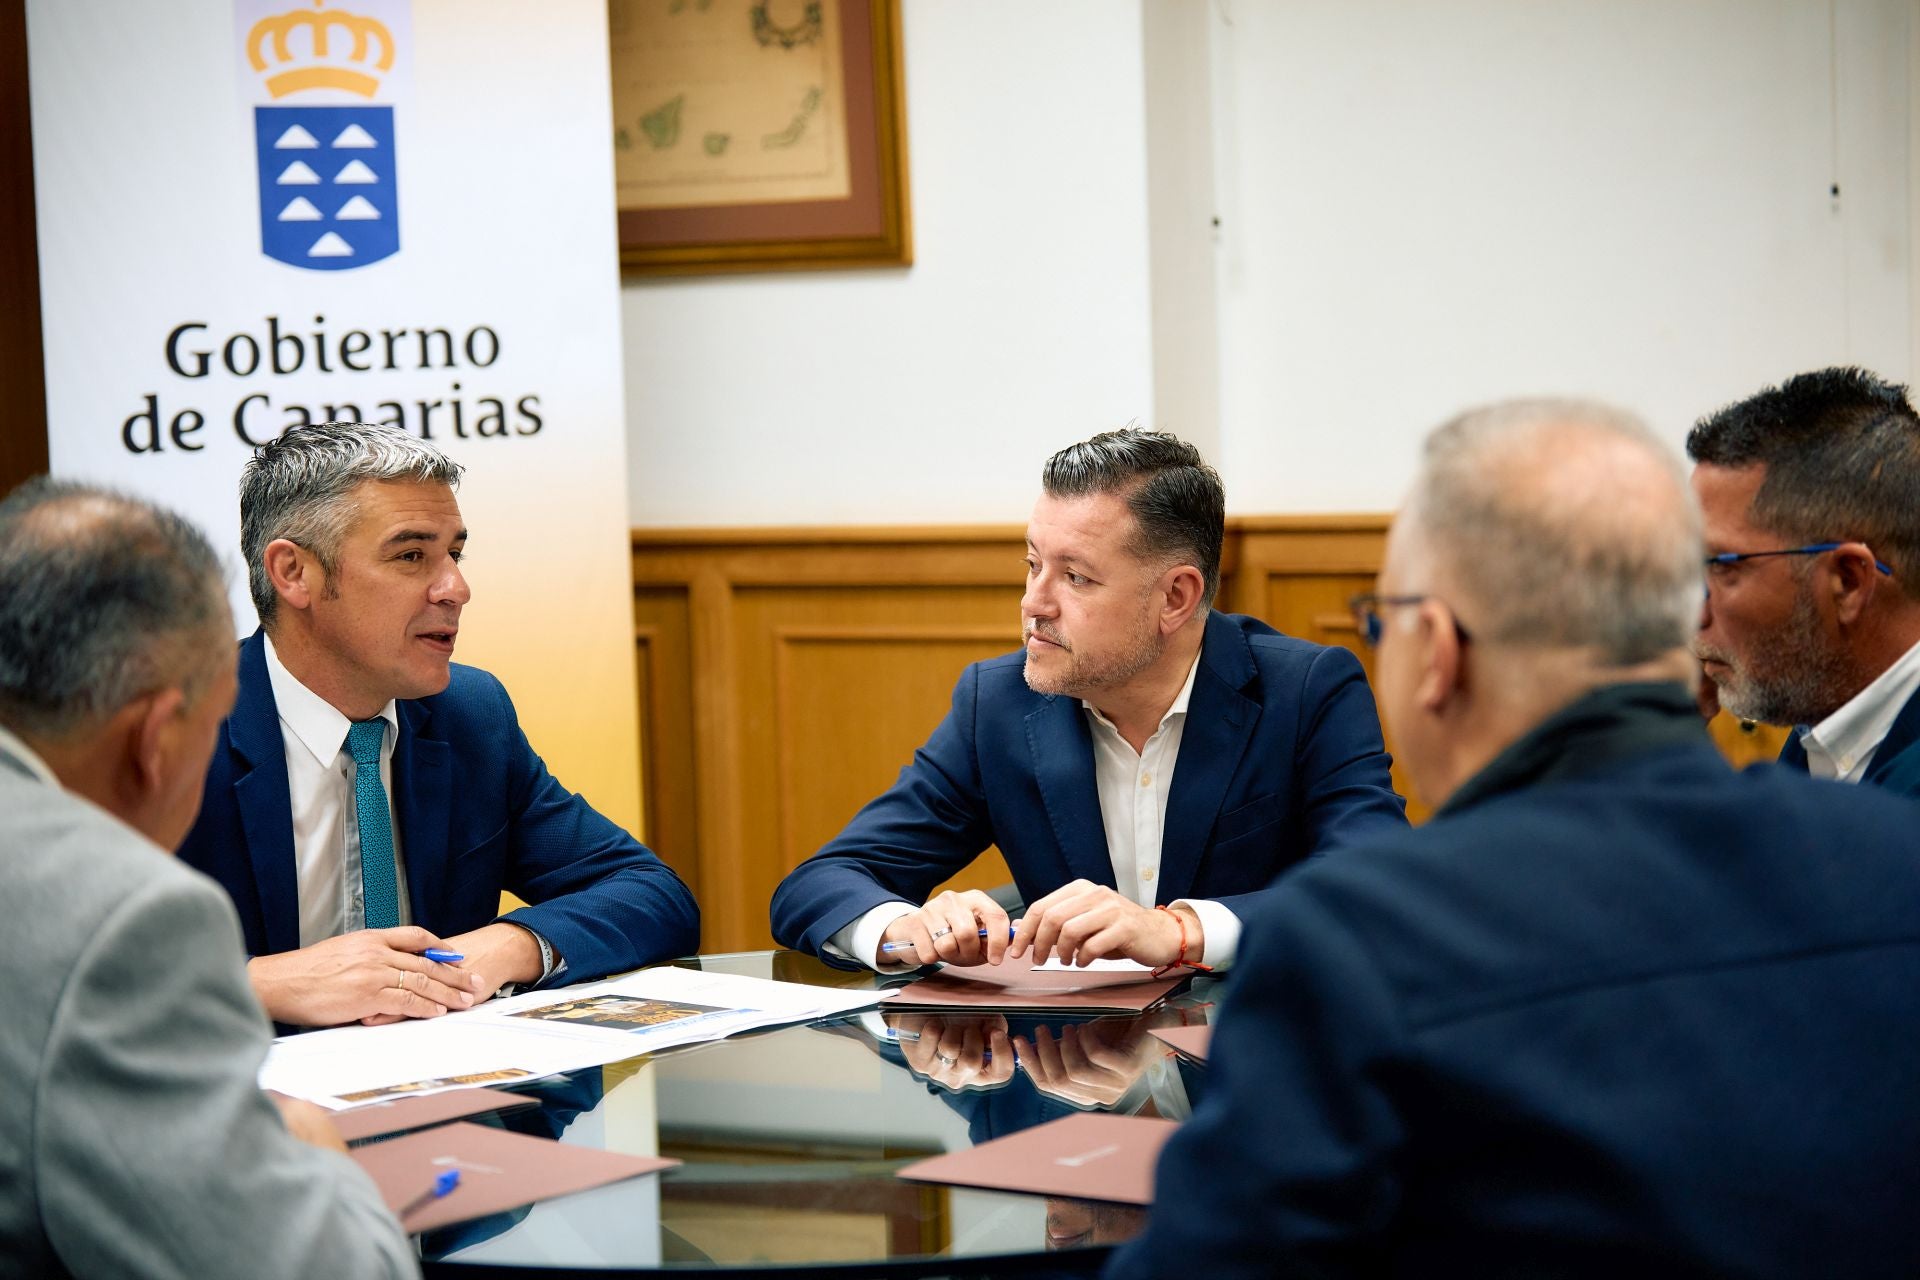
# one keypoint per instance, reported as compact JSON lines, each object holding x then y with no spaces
{"x":1343,"y":774}
{"x":1290,"y":1164}
{"x":603,"y":899}
{"x":1342,"y":777}
{"x":928,"y":826}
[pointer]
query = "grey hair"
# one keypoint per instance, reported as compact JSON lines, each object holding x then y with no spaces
{"x":1564,"y":523}
{"x":103,"y":598}
{"x":300,"y":487}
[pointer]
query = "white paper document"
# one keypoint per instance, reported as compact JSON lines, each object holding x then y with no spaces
{"x":540,"y":1034}
{"x":1055,"y":965}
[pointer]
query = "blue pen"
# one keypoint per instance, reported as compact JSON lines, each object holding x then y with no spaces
{"x":438,"y":956}
{"x":908,"y":946}
{"x":442,"y":1184}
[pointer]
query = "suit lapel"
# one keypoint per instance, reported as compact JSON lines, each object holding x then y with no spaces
{"x":1792,"y":754}
{"x":423,"y":800}
{"x":260,"y":794}
{"x":1896,"y":763}
{"x":1220,"y":722}
{"x":1062,"y":749}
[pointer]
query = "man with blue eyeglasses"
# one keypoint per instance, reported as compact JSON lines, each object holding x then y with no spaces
{"x":1811,"y":492}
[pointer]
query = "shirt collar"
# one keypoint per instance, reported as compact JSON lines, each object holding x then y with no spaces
{"x":319,"y":725}
{"x":1858,"y":727}
{"x":1179,"y":707}
{"x":27,"y":758}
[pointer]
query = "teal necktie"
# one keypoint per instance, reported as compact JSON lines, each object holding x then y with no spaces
{"x":378,"y":888}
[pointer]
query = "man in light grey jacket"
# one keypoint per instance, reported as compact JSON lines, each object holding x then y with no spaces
{"x":133,"y":1139}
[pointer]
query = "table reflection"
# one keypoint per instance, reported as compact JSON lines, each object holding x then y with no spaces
{"x":790,"y":1140}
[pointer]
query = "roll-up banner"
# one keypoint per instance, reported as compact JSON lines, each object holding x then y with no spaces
{"x":255,"y":214}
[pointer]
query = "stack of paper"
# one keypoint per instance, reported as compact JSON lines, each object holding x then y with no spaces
{"x":540,"y":1034}
{"x":1094,"y":1156}
{"x":497,"y":1171}
{"x":1105,"y":986}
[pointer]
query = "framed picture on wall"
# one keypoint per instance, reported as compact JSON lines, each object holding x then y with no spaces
{"x":758,"y":135}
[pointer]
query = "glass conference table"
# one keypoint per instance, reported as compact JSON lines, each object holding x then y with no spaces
{"x":790,"y":1138}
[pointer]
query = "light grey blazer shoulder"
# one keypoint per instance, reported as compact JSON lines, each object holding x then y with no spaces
{"x":133,"y":1138}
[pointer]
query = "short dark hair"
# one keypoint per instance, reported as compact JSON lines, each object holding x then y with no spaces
{"x":1179,"y":505}
{"x":1842,"y":452}
{"x":103,"y":597}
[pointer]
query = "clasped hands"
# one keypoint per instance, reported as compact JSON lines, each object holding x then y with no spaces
{"x":1079,"y":922}
{"x":378,"y":976}
{"x":1090,"y":1064}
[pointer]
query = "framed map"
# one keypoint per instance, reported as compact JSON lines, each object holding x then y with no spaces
{"x":758,"y":135}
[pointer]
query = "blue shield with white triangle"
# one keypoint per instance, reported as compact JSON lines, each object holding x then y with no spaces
{"x":329,"y":200}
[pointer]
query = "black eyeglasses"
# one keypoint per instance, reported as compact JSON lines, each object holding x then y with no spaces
{"x":1812,"y":549}
{"x":1368,"y":621}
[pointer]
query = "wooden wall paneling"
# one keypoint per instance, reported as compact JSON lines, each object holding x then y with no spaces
{"x":788,"y":674}
{"x":718,"y":784}
{"x":23,"y":379}
{"x":1746,"y":744}
{"x":664,"y":654}
{"x":764,"y":605}
{"x":852,"y":704}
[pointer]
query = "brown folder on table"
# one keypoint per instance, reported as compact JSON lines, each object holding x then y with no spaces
{"x":1090,"y":1156}
{"x":1188,"y":1042}
{"x":402,"y":1115}
{"x":1013,"y":984}
{"x":498,"y":1170}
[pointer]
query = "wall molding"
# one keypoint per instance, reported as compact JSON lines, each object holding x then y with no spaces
{"x":786,"y":674}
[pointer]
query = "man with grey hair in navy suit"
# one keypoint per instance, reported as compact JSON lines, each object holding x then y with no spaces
{"x":371,"y":799}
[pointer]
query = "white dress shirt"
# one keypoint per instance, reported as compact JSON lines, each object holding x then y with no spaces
{"x":326,"y":825}
{"x":1842,"y":745}
{"x":1133,"y":789}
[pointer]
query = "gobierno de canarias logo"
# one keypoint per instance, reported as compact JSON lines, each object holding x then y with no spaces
{"x":329,"y":193}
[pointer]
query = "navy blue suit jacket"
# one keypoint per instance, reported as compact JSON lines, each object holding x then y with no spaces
{"x":477,"y":813}
{"x":1658,"y":1019}
{"x":1896,"y":761}
{"x":1280,"y":757}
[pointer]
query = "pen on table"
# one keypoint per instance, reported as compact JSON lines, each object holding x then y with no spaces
{"x":908,"y":946}
{"x":438,"y":956}
{"x":442,"y":1184}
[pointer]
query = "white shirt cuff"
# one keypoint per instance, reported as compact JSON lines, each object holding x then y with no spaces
{"x":1222,"y":930}
{"x":860,"y":941}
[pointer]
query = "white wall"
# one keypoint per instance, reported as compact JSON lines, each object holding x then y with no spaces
{"x":1427,"y":206}
{"x":934,"y":393}
{"x":1422,"y":206}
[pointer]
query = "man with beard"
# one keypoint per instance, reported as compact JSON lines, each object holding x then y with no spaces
{"x":1617,"y":1009}
{"x":1811,"y":491}
{"x":1064,"y":754}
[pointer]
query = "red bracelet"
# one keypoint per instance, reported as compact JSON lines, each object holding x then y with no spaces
{"x":1180,"y":961}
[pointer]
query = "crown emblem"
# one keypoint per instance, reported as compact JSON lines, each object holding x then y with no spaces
{"x":340,"y":50}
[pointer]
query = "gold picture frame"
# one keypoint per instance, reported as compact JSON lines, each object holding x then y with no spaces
{"x":701,"y":187}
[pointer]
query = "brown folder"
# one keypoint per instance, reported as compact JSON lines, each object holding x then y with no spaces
{"x":1013,"y":984}
{"x":400,"y":1115}
{"x":498,"y":1170}
{"x":1090,"y":1156}
{"x":1188,"y":1042}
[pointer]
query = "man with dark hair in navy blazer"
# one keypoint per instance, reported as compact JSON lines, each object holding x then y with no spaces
{"x":370,"y":800}
{"x":1616,"y":1010}
{"x":1812,"y":497}
{"x":1146,"y":765}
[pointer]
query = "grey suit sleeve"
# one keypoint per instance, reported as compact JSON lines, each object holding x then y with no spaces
{"x":155,"y":1152}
